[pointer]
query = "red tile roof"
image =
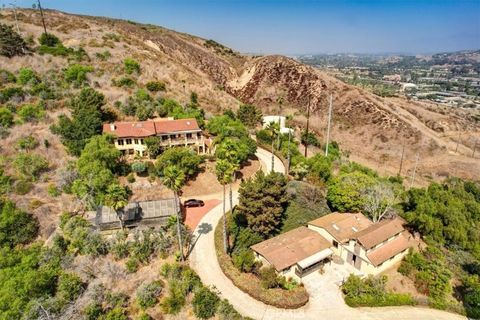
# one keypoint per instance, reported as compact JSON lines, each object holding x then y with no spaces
{"x":167,"y":126}
{"x":291,"y":247}
{"x":388,"y":250}
{"x":141,"y":129}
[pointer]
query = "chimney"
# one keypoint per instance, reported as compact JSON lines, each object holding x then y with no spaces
{"x":112,"y":127}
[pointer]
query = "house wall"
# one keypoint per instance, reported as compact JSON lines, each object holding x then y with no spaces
{"x":386,"y":265}
{"x":324,"y":233}
{"x":136,"y":144}
{"x":289,"y":273}
{"x":178,"y":139}
{"x":366,"y":267}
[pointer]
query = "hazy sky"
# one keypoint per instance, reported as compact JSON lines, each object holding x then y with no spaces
{"x":295,"y":27}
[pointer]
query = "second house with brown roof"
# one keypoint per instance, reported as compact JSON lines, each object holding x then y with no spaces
{"x":130,"y":135}
{"x":369,"y":247}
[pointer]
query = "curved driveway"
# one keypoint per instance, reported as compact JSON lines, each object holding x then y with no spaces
{"x":325,"y":302}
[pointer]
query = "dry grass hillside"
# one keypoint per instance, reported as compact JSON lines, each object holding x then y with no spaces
{"x":371,"y":129}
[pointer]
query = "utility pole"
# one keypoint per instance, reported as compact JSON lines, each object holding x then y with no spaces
{"x":273,"y":156}
{"x":288,"y":156}
{"x":278,"y":136}
{"x":14,"y":6}
{"x":401,"y":159}
{"x":458,"y":141}
{"x":328,"y":125}
{"x":414,"y":171}
{"x":474,"y":148}
{"x":306,"y":136}
{"x":43,"y":19}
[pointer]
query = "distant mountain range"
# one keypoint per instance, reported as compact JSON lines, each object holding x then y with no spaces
{"x":369,"y":128}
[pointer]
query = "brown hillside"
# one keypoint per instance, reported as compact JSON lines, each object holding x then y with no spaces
{"x":370,"y":128}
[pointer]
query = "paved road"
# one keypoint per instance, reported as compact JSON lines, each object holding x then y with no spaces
{"x":325,"y":302}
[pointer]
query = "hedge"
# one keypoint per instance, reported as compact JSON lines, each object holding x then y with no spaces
{"x":389,"y":299}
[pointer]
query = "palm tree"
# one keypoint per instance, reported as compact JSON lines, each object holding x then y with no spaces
{"x":229,"y":151}
{"x":174,"y":179}
{"x":274,"y":129}
{"x":224,"y":170}
{"x":116,"y":198}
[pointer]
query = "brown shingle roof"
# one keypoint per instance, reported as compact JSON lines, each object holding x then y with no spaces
{"x":388,"y":250}
{"x":379,"y":232}
{"x":141,"y":129}
{"x":342,"y":226}
{"x":291,"y":247}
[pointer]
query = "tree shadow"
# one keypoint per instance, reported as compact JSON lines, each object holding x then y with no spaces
{"x":203,"y":228}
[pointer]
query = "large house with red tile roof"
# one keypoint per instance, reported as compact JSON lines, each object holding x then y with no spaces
{"x":130,"y":136}
{"x":369,"y":247}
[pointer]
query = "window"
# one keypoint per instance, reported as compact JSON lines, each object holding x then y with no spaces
{"x":120,"y":142}
{"x":136,"y":141}
{"x":189,"y":135}
{"x":164,"y":138}
{"x":335,"y":243}
{"x":141,"y":141}
{"x":128,"y":141}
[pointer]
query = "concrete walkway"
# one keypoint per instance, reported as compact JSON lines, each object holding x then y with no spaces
{"x":326,"y":301}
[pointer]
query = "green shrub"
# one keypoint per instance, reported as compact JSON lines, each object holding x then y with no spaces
{"x":27,"y":76}
{"x":269,"y":278}
{"x":11,"y":43}
{"x":371,"y":292}
{"x":119,"y":246}
{"x":31,"y":113}
{"x":52,"y":190}
{"x":27,"y":143}
{"x":244,"y":260}
{"x":132,"y":265}
{"x":70,"y":286}
{"x":6,"y":77}
{"x":22,"y":187}
{"x":93,"y":311}
{"x":147,"y":294}
{"x":310,"y":139}
{"x":16,"y":226}
{"x":124,"y":82}
{"x":226,"y":311}
{"x":104,"y":56}
{"x":155,"y":86}
{"x":77,"y":73}
{"x":30,"y":166}
{"x":205,"y":303}
{"x":173,"y":303}
{"x":11,"y":93}
{"x":131,"y":177}
{"x":116,"y":313}
{"x":57,"y":51}
{"x":139,"y":167}
{"x":5,"y":182}
{"x":6,"y":117}
{"x":49,"y":40}
{"x":144,"y":316}
{"x":131,"y":66}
